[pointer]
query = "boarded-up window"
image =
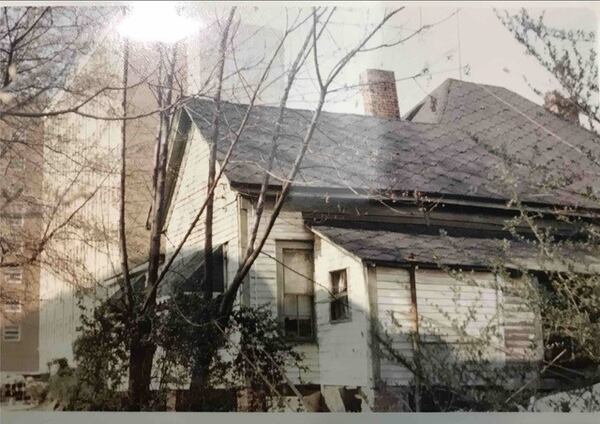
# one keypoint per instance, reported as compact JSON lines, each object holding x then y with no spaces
{"x":339,"y":293}
{"x":11,"y":333}
{"x":295,"y":284}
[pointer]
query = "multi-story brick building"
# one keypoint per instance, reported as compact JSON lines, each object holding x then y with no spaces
{"x":20,"y":234}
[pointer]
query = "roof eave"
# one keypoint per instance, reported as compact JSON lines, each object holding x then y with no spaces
{"x":459,"y":200}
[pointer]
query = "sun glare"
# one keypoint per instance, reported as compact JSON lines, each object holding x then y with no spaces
{"x":154,"y":21}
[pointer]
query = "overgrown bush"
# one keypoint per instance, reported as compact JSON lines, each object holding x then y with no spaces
{"x":37,"y":391}
{"x":251,"y":349}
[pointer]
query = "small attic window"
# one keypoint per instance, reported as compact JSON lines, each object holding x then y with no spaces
{"x":11,"y":333}
{"x":339,"y":309}
{"x":13,"y":276}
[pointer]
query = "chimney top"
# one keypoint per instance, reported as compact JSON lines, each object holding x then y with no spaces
{"x":378,"y":88}
{"x":561,"y":106}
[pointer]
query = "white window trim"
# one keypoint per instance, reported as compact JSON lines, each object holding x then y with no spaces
{"x":280,"y":245}
{"x":18,"y":339}
{"x":18,"y":163}
{"x":13,"y":308}
{"x":10,"y":281}
{"x":348,"y":316}
{"x":20,"y":219}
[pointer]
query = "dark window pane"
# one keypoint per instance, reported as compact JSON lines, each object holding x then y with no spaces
{"x":291,"y":327}
{"x":218,"y":283}
{"x":339,"y":308}
{"x":339,"y":302}
{"x":335,"y":312}
{"x":305,"y":328}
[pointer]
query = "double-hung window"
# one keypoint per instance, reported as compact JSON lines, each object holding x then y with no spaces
{"x":11,"y":333}
{"x":339,"y":310}
{"x":13,"y":306}
{"x":13,"y":276}
{"x":296,"y":289}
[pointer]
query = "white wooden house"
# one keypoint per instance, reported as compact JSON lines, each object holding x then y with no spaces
{"x":380,"y":208}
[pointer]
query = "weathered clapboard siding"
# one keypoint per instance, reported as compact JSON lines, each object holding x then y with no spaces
{"x":190,"y":194}
{"x":344,"y":354}
{"x":522,"y":333}
{"x":263,"y":280}
{"x":393,"y":307}
{"x":444,"y":304}
{"x":461,"y":310}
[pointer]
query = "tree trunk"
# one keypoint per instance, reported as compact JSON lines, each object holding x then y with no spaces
{"x":142,"y":348}
{"x":212,"y":163}
{"x":206,"y":350}
{"x":199,"y":384}
{"x":141,"y":354}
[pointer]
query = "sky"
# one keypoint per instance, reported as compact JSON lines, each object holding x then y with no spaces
{"x":465,"y":33}
{"x":473,"y":36}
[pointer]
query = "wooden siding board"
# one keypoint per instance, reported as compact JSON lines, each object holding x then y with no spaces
{"x":393,"y":298}
{"x":439,"y":304}
{"x":263,"y":280}
{"x":344,"y":349}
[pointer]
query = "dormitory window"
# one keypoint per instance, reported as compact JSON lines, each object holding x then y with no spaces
{"x":295,"y":288}
{"x":16,"y":221}
{"x":339,"y":296}
{"x":18,"y":163}
{"x":13,"y":276}
{"x":11,"y":333}
{"x":12,"y":306}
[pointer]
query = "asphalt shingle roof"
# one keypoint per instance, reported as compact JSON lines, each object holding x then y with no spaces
{"x":382,"y":246}
{"x":476,"y":141}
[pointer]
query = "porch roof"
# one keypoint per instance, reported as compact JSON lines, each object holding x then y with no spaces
{"x":401,"y":249}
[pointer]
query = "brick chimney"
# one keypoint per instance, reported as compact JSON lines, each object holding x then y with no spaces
{"x":378,"y":88}
{"x":561,"y":106}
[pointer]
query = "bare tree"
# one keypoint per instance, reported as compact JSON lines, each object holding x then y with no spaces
{"x":106,"y":103}
{"x":570,"y":56}
{"x":558,"y":289}
{"x":219,"y":313}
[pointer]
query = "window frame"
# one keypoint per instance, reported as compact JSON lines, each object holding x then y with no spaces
{"x":18,"y":328}
{"x":280,"y":246}
{"x":348,"y":315}
{"x":17,"y":221}
{"x":9,"y":271}
{"x":8,"y":307}
{"x":18,"y":162}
